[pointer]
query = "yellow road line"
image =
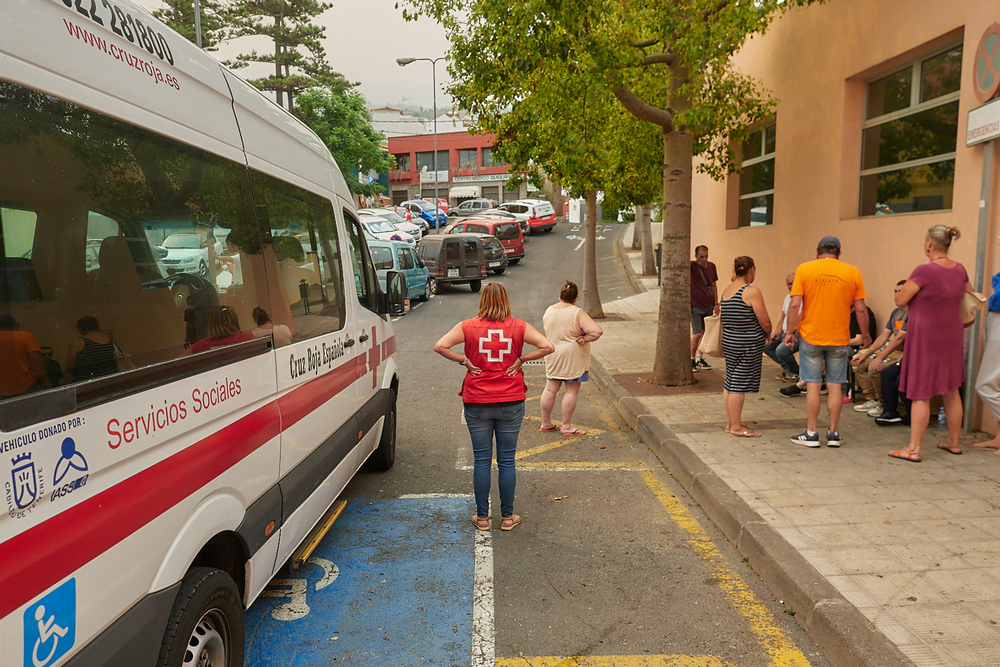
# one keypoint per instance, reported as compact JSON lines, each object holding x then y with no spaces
{"x":781,"y":649}
{"x":544,"y":448}
{"x":624,"y":465}
{"x":617,"y":661}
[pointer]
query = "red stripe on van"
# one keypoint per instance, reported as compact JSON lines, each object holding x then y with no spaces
{"x":43,"y":555}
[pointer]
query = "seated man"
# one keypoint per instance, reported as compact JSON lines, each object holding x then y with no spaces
{"x":776,"y":350}
{"x":884,"y":351}
{"x":891,"y":396}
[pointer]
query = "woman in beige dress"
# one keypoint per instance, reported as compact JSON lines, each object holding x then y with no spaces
{"x":572,"y":331}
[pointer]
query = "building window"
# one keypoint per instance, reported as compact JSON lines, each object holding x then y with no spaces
{"x":757,"y":178}
{"x":402,"y":162}
{"x":467,"y":158}
{"x":427,"y":160}
{"x":489,"y":160}
{"x":909,"y":137}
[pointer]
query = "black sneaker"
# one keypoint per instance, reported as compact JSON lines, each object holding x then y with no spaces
{"x":889,"y":419}
{"x":701,"y":364}
{"x":791,"y":390}
{"x":694,"y":366}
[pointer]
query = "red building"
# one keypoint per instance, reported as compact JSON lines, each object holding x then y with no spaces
{"x":465,"y":168}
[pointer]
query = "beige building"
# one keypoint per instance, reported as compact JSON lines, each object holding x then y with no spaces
{"x":868,"y":143}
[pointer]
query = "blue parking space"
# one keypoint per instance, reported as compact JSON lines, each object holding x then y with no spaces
{"x":392,"y":583}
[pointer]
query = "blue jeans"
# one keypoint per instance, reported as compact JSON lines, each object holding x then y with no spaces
{"x":781,"y":355}
{"x":812,"y":357}
{"x":486,"y":420}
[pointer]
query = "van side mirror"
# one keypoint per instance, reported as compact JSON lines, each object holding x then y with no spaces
{"x":421,"y":264}
{"x":393,"y":299}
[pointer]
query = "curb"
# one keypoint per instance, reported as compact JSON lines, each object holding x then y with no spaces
{"x":843,"y":633}
{"x":630,"y":273}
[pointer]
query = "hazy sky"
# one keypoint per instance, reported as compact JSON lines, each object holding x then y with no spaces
{"x":363,"y":40}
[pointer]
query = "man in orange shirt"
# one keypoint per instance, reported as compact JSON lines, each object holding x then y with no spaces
{"x":22,"y":368}
{"x":827,"y":290}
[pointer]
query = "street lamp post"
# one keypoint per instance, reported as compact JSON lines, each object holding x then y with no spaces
{"x":403,"y":62}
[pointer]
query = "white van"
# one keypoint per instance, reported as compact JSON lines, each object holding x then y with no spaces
{"x":151,"y":490}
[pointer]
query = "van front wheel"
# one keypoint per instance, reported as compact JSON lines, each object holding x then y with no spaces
{"x":427,"y":291}
{"x":476,"y":285}
{"x":206,"y":623}
{"x":385,"y":454}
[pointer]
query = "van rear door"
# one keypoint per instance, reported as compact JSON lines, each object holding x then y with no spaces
{"x":471,"y":260}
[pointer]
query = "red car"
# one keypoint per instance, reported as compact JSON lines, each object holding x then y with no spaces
{"x":508,"y":231}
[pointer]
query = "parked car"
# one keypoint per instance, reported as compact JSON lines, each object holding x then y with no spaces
{"x":412,"y":228}
{"x":508,"y":232}
{"x":186,"y":253}
{"x":538,"y":213}
{"x":471,"y":207}
{"x":398,"y":256}
{"x":495,"y":253}
{"x":442,"y":203}
{"x":382,"y":229}
{"x":418,"y":207}
{"x":453,"y":259}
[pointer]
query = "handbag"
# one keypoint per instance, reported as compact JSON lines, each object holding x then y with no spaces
{"x":711,"y":342}
{"x":972,"y":303}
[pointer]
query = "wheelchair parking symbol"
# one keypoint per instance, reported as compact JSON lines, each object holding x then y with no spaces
{"x":50,"y":626}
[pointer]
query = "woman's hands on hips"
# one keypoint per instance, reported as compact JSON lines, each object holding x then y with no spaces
{"x":470,"y":367}
{"x":514,"y":368}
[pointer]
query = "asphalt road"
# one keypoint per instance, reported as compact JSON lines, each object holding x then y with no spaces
{"x":613,"y":562}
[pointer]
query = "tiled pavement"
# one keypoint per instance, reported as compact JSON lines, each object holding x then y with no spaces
{"x":890,"y":562}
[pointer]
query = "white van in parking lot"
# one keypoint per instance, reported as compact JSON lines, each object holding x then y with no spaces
{"x":150,"y":497}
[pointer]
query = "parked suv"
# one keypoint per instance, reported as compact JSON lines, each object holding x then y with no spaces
{"x":508,"y":232}
{"x":540,"y":214}
{"x":453,"y":259}
{"x":471,"y":207}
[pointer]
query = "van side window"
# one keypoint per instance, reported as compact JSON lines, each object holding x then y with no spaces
{"x":301,"y":255}
{"x":116,"y":237}
{"x":364,"y":274}
{"x":405,"y":258}
{"x":382,"y":257}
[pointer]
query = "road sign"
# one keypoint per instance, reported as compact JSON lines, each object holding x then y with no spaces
{"x":986,"y":70}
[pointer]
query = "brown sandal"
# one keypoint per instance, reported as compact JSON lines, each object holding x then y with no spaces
{"x":482,"y":523}
{"x":514,"y":520}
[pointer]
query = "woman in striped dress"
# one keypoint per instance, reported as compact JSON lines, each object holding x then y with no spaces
{"x":745,"y":328}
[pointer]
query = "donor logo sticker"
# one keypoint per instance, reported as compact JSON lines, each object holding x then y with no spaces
{"x":50,"y":626}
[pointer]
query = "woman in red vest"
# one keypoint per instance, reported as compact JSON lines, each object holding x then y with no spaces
{"x":493,"y":392}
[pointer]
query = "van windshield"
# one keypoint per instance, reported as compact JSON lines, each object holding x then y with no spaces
{"x":506,"y":232}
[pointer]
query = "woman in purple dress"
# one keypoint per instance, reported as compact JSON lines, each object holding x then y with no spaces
{"x":934,"y":335}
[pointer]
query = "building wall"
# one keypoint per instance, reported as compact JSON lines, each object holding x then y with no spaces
{"x":816,"y":62}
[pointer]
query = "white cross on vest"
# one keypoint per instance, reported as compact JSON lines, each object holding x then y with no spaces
{"x":495,"y":346}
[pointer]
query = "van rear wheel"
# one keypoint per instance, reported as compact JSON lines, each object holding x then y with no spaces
{"x":206,"y":622}
{"x":476,"y":285}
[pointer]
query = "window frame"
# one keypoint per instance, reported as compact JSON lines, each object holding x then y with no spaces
{"x":761,"y":157}
{"x":915,"y":107}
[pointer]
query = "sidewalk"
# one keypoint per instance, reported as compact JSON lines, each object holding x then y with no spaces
{"x":885,"y":562}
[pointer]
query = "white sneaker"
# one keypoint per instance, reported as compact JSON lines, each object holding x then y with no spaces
{"x":866,"y":406}
{"x":875,"y":412}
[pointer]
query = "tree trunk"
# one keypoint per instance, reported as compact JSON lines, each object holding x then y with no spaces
{"x":646,"y":238}
{"x":637,"y":232}
{"x":277,"y":74}
{"x":591,"y":295}
{"x":672,"y":365}
{"x":554,"y":192}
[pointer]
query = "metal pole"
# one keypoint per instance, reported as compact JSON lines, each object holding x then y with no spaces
{"x":197,"y":23}
{"x":981,"y":241}
{"x":434,"y":84}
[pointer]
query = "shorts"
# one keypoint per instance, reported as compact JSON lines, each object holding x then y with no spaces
{"x":583,"y":378}
{"x":811,"y":358}
{"x":698,"y":315}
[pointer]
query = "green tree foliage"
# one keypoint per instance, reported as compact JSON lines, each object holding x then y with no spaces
{"x":667,"y":62}
{"x":299,"y":58}
{"x":340,"y":118}
{"x":179,"y":15}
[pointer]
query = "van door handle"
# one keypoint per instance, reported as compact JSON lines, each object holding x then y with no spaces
{"x":349,"y":342}
{"x":363,"y":337}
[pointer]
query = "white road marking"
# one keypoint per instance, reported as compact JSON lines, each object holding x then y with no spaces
{"x":483,"y":632}
{"x":330,"y":572}
{"x":417,"y":306}
{"x":574,"y":468}
{"x":578,"y":245}
{"x":408,"y":496}
{"x":296,"y":607}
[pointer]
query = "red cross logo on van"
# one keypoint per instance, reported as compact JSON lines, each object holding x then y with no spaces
{"x":500,"y":346}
